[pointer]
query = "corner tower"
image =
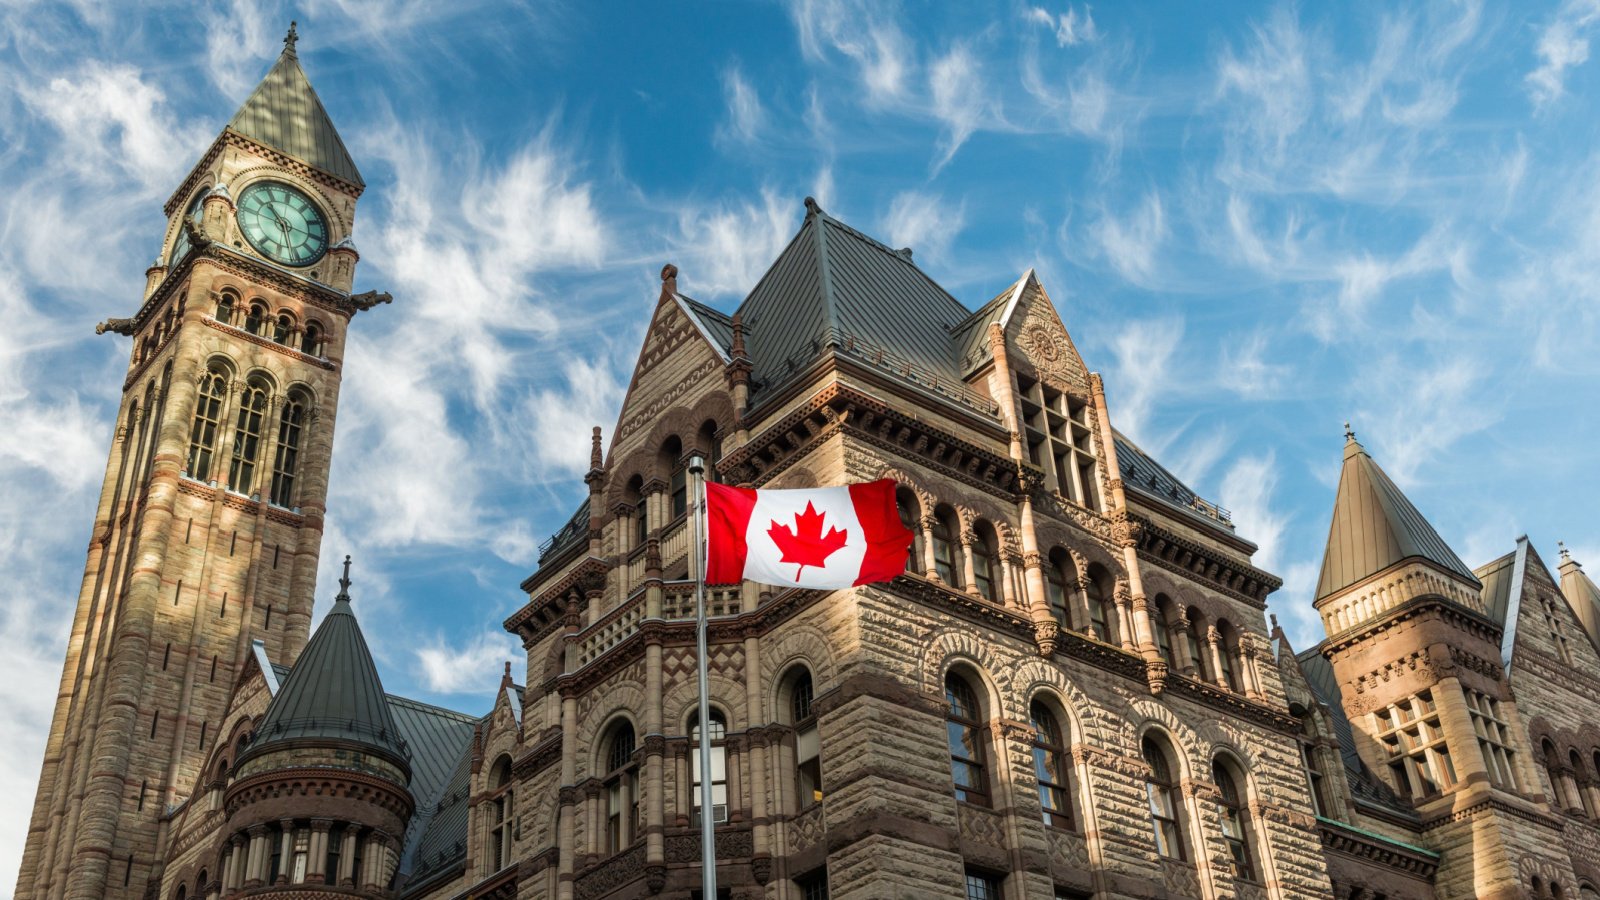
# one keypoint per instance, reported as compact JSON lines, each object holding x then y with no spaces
{"x":210,"y":518}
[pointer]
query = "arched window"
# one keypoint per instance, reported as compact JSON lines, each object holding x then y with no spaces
{"x":1575,"y":763}
{"x":247,"y":437}
{"x":905,"y":501}
{"x":287,"y":456}
{"x":1101,"y":614}
{"x":807,"y":745}
{"x":1161,"y":790}
{"x":670,"y":460}
{"x":1161,"y":624}
{"x":330,"y":863}
{"x":944,"y":548}
{"x":207,"y":422}
{"x":1227,"y":650}
{"x":1552,"y":622}
{"x":182,"y":894}
{"x":1056,"y":581}
{"x":716,"y":734}
{"x":225,"y":307}
{"x":706,"y":441}
{"x":1051,"y":766}
{"x":501,"y":810}
{"x":282,"y":328}
{"x":312,"y":342}
{"x":621,"y":788}
{"x":1311,"y":760}
{"x":968,"y":739}
{"x":255,"y":318}
{"x":1235,"y":822}
{"x":985,"y":573}
{"x":201,"y":881}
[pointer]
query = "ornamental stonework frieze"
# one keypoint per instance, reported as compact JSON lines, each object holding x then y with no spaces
{"x":240,"y":334}
{"x":653,"y":410}
{"x":1195,"y":561}
{"x":541,"y":756}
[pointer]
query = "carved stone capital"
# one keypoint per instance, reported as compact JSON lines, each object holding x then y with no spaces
{"x":1155,"y":673}
{"x":1046,"y":634}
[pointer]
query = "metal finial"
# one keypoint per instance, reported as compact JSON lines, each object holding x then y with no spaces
{"x":1565,"y":553}
{"x":290,"y":39}
{"x":344,"y":581}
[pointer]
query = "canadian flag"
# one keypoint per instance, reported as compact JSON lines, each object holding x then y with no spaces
{"x":827,"y":538}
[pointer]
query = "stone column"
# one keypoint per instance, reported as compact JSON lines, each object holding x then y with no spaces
{"x":347,"y":856}
{"x":1247,"y":666}
{"x":929,"y":523}
{"x":1180,"y":647}
{"x":1078,"y":591}
{"x":654,"y":755}
{"x":1214,"y":647}
{"x":968,"y":537}
{"x":1008,"y":593}
{"x":372,"y":863}
{"x":1456,"y":722}
{"x":733,"y":761}
{"x":235,"y":864}
{"x":255,"y":873}
{"x":317,"y":864}
{"x":285,"y":850}
{"x":1128,"y":626}
{"x":566,"y":838}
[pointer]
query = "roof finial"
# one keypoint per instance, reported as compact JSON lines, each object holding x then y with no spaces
{"x":1349,"y":433}
{"x":594,"y":453}
{"x":669,"y":281}
{"x":290,"y":39}
{"x":812,"y":207}
{"x":1565,"y":553}
{"x":344,"y":582}
{"x":737,"y":321}
{"x":505,"y":680}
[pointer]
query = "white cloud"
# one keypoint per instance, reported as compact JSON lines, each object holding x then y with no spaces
{"x":1247,"y":491}
{"x":1071,"y":28}
{"x":955,"y":81}
{"x":1246,"y":371}
{"x":924,"y":222}
{"x":729,"y":245}
{"x":1131,"y":243}
{"x":239,"y":43}
{"x":1563,"y":45}
{"x":746,"y":118}
{"x":1143,"y":350}
{"x":1273,"y":79}
{"x":475,"y":667}
{"x":857,"y":30}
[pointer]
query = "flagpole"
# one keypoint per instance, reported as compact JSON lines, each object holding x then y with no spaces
{"x":708,"y":825}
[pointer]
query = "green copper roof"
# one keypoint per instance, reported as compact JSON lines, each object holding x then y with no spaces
{"x":333,"y":692}
{"x":285,"y":114}
{"x":1375,"y":526}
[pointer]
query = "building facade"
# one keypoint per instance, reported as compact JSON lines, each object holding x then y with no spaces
{"x":1074,"y":689}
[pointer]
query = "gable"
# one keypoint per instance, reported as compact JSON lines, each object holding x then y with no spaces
{"x":1035,"y":329}
{"x":1540,"y":623}
{"x":677,"y":356}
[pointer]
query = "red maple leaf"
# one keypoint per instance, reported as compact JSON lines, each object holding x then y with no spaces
{"x":806,"y":545}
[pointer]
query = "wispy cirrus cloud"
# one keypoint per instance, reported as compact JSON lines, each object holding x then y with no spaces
{"x":1563,"y":45}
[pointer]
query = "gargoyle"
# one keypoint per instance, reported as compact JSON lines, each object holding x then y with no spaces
{"x":370,"y":299}
{"x":115,"y":326}
{"x":197,"y":235}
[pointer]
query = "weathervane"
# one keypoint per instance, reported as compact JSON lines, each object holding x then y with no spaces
{"x":1349,"y":434}
{"x":290,"y":39}
{"x":344,"y":581}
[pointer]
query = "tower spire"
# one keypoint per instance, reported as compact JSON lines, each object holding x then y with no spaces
{"x":344,"y":583}
{"x":290,"y":39}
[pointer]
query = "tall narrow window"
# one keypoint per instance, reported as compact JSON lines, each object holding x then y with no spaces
{"x":680,"y":493}
{"x":719,"y":765}
{"x":982,"y":886}
{"x":225,"y":309}
{"x":287,"y":456}
{"x":968,"y":740}
{"x":207,"y":422}
{"x":255,"y":318}
{"x":1099,"y":605}
{"x":984,"y":572}
{"x":1191,"y":642}
{"x":906,"y":504}
{"x":1552,"y":622}
{"x":302,"y":856}
{"x":1050,"y":766}
{"x":247,"y":437}
{"x":275,"y":853}
{"x":807,"y":745}
{"x":621,"y":788}
{"x":1494,"y":739}
{"x":311,"y":342}
{"x":1161,"y":791}
{"x":1160,"y":624}
{"x":282,"y":328}
{"x":1419,"y":760}
{"x":1311,"y":761}
{"x":500,"y":814}
{"x":944,"y":549}
{"x":641,"y":521}
{"x":1234,"y":822}
{"x":1227,"y":647}
{"x":1055,"y":582}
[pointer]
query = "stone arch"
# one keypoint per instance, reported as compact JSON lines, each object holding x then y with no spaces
{"x":925,"y":498}
{"x":1146,"y":714}
{"x":1034,"y":675}
{"x":953,"y":646}
{"x":622,"y":699}
{"x":727,"y":694}
{"x":796,"y":644}
{"x":592,"y":753}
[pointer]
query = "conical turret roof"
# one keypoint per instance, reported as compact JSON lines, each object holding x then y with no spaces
{"x":1582,"y":594}
{"x":284,"y":113}
{"x":333,"y":692}
{"x":1375,"y":526}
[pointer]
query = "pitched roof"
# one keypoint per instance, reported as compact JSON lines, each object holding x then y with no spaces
{"x":333,"y":692}
{"x":284,"y":113}
{"x":833,"y":285}
{"x":1375,"y":526}
{"x":437,"y":738}
{"x":1141,"y":473}
{"x":1582,"y":595}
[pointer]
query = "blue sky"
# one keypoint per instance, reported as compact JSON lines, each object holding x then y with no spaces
{"x":1257,"y":220}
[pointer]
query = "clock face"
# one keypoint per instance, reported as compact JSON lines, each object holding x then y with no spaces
{"x":282,"y":224}
{"x":181,"y":245}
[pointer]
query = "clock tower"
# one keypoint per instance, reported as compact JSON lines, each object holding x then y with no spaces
{"x":210,"y":519}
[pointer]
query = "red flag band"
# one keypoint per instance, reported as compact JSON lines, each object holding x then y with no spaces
{"x":826,"y":538}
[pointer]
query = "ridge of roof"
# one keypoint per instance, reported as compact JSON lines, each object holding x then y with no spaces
{"x":1375,"y":526}
{"x":285,"y":114}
